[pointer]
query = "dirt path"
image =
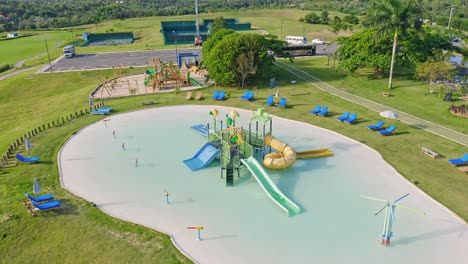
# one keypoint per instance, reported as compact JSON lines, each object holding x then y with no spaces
{"x":5,"y":76}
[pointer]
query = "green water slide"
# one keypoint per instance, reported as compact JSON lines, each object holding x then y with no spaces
{"x":193,"y":80}
{"x":269,"y":187}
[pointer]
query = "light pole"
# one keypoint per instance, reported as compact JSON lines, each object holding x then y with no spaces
{"x":48,"y":56}
{"x":450,"y":17}
{"x":176,"y":53}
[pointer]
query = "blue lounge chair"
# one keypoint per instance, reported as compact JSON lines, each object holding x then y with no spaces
{"x":108,"y":109}
{"x":46,"y":206}
{"x":40,"y":199}
{"x":316,"y":110}
{"x":282,"y":102}
{"x":99,"y":112}
{"x":245,"y":96}
{"x":26,"y":159}
{"x":376,"y":126}
{"x":221,"y":96}
{"x":343,"y":117}
{"x":351,"y":118}
{"x":215,"y":95}
{"x":251,"y":96}
{"x":461,"y":161}
{"x":270,"y":100}
{"x":389,"y":131}
{"x":323,"y":112}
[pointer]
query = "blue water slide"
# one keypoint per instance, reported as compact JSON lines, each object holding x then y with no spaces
{"x":203,"y":158}
{"x":202,"y":129}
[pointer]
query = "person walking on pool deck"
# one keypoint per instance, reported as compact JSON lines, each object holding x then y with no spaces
{"x":166,"y":194}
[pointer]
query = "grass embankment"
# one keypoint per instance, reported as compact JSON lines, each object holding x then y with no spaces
{"x":14,"y":50}
{"x":80,"y":233}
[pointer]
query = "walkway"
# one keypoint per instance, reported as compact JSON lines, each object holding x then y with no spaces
{"x":405,"y":117}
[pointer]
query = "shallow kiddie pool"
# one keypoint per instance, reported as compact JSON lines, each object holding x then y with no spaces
{"x":241,"y":223}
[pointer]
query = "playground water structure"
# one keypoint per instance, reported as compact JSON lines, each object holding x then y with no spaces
{"x":240,"y":224}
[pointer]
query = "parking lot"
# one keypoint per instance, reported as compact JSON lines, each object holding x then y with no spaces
{"x":128,"y":59}
{"x":92,"y":61}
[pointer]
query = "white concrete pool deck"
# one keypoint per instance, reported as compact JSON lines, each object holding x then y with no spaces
{"x":241,"y":224}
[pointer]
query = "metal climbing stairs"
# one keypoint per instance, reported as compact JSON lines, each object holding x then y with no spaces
{"x":230,"y":175}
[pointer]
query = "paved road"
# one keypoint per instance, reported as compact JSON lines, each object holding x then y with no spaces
{"x":127,"y":59}
{"x":405,"y":117}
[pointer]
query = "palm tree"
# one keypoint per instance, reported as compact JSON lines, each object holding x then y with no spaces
{"x":395,"y":17}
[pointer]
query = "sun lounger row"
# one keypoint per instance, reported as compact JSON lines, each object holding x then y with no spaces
{"x":247,"y":96}
{"x":319,"y":110}
{"x":217,"y":95}
{"x":101,"y":111}
{"x":41,"y":203}
{"x":198,"y":96}
{"x":347,"y":117}
{"x":270,"y":101}
{"x":379,"y":128}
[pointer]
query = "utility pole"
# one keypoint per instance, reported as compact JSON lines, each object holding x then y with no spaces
{"x":176,"y":52}
{"x":390,"y":79}
{"x":281,"y":33}
{"x":198,"y":39}
{"x":303,"y":30}
{"x":48,"y":56}
{"x":450,"y":17}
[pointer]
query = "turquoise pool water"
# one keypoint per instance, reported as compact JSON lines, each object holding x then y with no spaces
{"x":241,"y":224}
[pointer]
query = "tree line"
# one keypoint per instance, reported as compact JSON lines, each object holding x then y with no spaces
{"x":40,"y":14}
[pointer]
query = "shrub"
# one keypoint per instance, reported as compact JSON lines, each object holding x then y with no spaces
{"x":5,"y":67}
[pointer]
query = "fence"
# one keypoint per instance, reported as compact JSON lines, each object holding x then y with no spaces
{"x":59,"y":121}
{"x":183,"y":32}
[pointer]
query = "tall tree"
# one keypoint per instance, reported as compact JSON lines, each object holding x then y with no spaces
{"x":218,"y":24}
{"x":395,"y":17}
{"x":237,"y":57}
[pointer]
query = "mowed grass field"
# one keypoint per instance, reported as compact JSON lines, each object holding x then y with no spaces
{"x":14,"y":50}
{"x":147,"y":33}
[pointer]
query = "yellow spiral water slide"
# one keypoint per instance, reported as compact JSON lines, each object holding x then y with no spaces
{"x":286,"y":155}
{"x":284,"y":158}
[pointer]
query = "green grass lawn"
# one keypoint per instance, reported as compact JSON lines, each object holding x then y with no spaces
{"x":408,"y":95}
{"x":13,"y":50}
{"x":81,"y":233}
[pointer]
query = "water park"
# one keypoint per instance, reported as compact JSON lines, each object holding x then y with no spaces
{"x":236,"y":146}
{"x":208,"y":178}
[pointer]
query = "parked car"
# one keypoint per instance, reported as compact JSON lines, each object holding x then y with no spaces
{"x":318,"y":41}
